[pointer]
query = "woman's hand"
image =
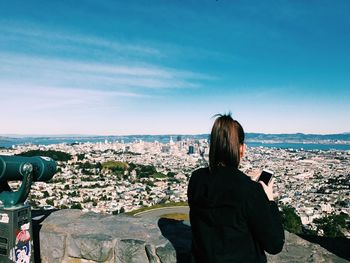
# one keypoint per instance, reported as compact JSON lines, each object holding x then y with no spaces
{"x":268,"y":189}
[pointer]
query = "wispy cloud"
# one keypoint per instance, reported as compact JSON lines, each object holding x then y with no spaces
{"x":33,"y":84}
{"x":53,"y":39}
{"x":36,"y":98}
{"x":35,"y":61}
{"x":50,"y":77}
{"x":93,"y":75}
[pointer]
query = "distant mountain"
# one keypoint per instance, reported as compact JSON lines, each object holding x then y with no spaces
{"x":299,"y":137}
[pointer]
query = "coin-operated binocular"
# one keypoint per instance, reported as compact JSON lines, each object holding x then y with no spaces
{"x":16,"y":242}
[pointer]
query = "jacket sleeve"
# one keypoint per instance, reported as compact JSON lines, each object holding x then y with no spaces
{"x":265,"y":222}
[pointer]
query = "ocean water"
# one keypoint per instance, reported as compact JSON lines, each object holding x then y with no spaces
{"x":9,"y":142}
{"x":304,"y":146}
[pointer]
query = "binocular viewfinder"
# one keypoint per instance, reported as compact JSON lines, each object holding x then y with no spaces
{"x":26,"y":169}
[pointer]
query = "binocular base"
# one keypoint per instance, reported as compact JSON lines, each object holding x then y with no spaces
{"x":16,"y":237}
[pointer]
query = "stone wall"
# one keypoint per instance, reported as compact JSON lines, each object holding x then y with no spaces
{"x":74,"y":236}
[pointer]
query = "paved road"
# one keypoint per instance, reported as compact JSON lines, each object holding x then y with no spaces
{"x":156,"y":213}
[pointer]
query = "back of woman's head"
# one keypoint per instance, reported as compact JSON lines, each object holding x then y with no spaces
{"x":226,"y":138}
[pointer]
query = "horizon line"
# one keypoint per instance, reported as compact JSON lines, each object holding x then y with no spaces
{"x":163,"y":134}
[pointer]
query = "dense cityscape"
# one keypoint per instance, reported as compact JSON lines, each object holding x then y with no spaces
{"x":117,"y":177}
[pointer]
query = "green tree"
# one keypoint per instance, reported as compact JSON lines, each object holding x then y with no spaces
{"x":49,"y":202}
{"x":32,"y":203}
{"x":76,"y":206}
{"x":290,"y":220}
{"x":131,"y":166}
{"x":80,"y":156}
{"x":332,"y":225}
{"x":148,"y":184}
{"x":145,"y":171}
{"x":104,"y":198}
{"x":171,"y":174}
{"x":64,"y":207}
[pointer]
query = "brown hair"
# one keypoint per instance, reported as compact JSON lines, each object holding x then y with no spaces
{"x":225,"y":139}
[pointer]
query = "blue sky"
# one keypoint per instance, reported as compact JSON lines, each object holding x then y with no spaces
{"x":166,"y":67}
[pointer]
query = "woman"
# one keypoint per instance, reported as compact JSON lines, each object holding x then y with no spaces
{"x":233,"y":218}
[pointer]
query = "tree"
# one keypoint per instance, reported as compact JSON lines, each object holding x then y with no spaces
{"x":64,"y":207}
{"x":32,"y":202}
{"x":171,"y":174}
{"x":290,"y":220}
{"x":332,"y":225}
{"x":49,"y":202}
{"x":76,"y":206}
{"x":104,"y":198}
{"x":148,"y":184}
{"x":132,"y":166}
{"x":145,"y":171}
{"x":80,"y":156}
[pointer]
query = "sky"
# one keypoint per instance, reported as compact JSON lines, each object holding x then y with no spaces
{"x":167,"y":66}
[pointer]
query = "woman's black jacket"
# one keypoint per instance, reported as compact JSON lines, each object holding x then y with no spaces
{"x":231,"y":218}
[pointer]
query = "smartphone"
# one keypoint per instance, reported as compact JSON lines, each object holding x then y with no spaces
{"x":265,"y":176}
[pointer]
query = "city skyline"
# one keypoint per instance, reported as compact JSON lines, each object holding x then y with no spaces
{"x":123,"y":68}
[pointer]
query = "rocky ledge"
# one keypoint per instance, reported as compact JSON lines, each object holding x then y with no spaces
{"x":74,"y":236}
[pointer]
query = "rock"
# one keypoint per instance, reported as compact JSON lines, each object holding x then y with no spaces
{"x":72,"y":236}
{"x":297,"y":249}
{"x":166,"y":254}
{"x":97,"y":247}
{"x":151,"y":254}
{"x":130,"y":251}
{"x":52,"y":246}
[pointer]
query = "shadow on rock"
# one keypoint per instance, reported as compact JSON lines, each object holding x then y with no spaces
{"x":180,"y":236}
{"x":338,"y":245}
{"x":38,"y":216}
